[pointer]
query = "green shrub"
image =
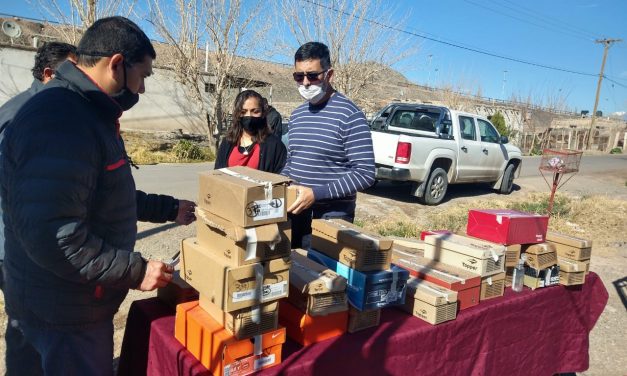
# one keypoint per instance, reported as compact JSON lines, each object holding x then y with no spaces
{"x":540,"y":205}
{"x":616,"y":151}
{"x":185,"y":150}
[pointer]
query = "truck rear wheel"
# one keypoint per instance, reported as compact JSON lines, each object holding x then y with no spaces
{"x":436,"y":187}
{"x":507,"y":183}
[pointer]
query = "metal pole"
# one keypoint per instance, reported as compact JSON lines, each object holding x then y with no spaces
{"x":606,"y":43}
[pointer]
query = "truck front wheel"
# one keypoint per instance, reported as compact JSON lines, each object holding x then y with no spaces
{"x":436,"y":187}
{"x":507,"y":183}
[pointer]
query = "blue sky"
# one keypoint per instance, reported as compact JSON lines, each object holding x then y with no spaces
{"x":555,"y":33}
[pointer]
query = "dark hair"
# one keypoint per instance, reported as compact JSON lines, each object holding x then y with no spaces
{"x":314,"y":51}
{"x":51,"y":55}
{"x":235,"y":132}
{"x":114,"y":35}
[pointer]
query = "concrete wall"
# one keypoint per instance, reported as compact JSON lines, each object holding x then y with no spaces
{"x":164,"y":106}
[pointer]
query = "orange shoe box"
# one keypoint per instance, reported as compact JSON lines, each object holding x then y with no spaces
{"x":307,"y":330}
{"x":218,"y":350}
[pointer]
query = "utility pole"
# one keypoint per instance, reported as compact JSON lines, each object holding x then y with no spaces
{"x":606,"y":44}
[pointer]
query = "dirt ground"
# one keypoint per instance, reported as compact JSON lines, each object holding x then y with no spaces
{"x":387,"y":201}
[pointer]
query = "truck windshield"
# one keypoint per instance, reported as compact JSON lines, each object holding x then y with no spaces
{"x":418,"y":119}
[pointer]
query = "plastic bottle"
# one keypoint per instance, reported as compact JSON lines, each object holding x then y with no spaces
{"x":518,"y":276}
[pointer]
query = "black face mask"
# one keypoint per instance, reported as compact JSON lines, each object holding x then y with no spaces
{"x":125,"y":98}
{"x":252,"y":124}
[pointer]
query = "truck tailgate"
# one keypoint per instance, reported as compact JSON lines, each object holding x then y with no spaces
{"x":384,"y":145}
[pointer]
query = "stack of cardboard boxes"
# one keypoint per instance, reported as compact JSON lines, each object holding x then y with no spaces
{"x":363,"y":258}
{"x":573,"y":257}
{"x":316,"y":308}
{"x":523,"y":233}
{"x":436,"y":290}
{"x":473,"y":255}
{"x":239,"y":263}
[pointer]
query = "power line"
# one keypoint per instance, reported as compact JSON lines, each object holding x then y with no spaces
{"x":551,"y":20}
{"x":456,"y":45}
{"x":615,"y":82}
{"x":547,"y":27}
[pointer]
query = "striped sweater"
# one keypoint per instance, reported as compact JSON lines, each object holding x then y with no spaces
{"x":330,"y":149}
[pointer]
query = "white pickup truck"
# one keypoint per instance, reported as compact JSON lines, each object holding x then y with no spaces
{"x":433,"y":146}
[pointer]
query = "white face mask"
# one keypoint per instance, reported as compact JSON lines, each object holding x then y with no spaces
{"x":313,"y":93}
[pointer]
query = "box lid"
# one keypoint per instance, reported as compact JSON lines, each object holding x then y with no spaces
{"x":351,"y":235}
{"x":570,"y":266}
{"x":407,"y":243}
{"x":430,"y":292}
{"x":572,"y":241}
{"x":312,"y":278}
{"x":493,"y":278}
{"x":267,"y":233}
{"x":539,"y":249}
{"x":463,"y":244}
{"x":500,"y":214}
{"x":443,"y":272}
{"x":358,"y":278}
{"x":247,"y":177}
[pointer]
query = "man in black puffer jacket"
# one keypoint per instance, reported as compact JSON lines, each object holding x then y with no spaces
{"x":70,"y":204}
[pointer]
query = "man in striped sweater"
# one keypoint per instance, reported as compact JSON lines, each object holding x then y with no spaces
{"x":330,"y":154}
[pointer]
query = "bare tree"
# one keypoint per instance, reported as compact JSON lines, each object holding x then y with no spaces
{"x":356,"y":32}
{"x":82,"y":14}
{"x":225,"y":30}
{"x":453,"y":96}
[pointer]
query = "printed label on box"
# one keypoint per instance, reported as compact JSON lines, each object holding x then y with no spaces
{"x":264,"y":361}
{"x":269,"y":292}
{"x":240,"y":367}
{"x":265,"y":209}
{"x":384,"y":296}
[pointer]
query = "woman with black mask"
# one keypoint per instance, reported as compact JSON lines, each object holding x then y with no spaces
{"x":249,"y":141}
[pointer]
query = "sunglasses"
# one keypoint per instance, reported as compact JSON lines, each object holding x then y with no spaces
{"x":311,"y":76}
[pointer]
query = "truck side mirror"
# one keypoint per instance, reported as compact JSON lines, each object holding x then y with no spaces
{"x":504,"y":140}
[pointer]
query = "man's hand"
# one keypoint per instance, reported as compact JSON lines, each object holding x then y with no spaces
{"x":186,"y":212}
{"x":157,"y":275}
{"x":304,"y":201}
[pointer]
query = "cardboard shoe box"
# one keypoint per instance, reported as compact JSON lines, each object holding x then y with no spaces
{"x":504,"y":226}
{"x":315,"y":289}
{"x":246,"y":322}
{"x":541,"y":278}
{"x":408,"y":244}
{"x":239,"y":245}
{"x":540,"y":256}
{"x":306,"y":329}
{"x":232,"y":288}
{"x":351,"y":245}
{"x":569,"y":246}
{"x":244,"y":196}
{"x":492,"y":286}
{"x":218,"y":350}
{"x":430,"y":302}
{"x":466,"y":284}
{"x":368,"y":290}
{"x":360,"y":320}
{"x":474,"y":255}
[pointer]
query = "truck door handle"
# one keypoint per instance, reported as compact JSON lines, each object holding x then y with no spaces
{"x":485,"y":151}
{"x":465,"y":149}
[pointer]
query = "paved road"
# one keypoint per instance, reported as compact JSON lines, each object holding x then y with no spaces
{"x":598,"y":174}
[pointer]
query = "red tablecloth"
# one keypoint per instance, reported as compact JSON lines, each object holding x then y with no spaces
{"x":541,"y":332}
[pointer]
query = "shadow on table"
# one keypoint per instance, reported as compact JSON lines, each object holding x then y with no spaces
{"x":621,"y":289}
{"x":156,"y":230}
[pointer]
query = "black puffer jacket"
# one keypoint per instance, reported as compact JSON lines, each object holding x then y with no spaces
{"x":70,"y":207}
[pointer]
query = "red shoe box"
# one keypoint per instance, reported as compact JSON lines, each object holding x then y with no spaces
{"x":507,"y":227}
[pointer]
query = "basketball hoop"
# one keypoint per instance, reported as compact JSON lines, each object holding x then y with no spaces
{"x":558,"y":163}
